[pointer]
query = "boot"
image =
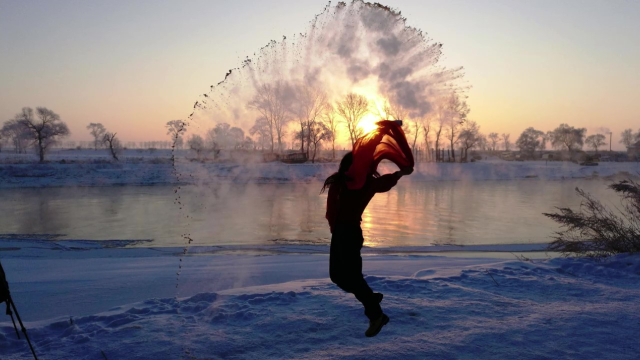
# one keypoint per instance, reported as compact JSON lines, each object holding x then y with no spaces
{"x":376,"y":325}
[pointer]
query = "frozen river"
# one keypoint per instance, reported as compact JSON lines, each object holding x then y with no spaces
{"x":412,"y":214}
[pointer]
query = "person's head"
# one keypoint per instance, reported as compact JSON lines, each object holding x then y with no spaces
{"x":341,"y":175}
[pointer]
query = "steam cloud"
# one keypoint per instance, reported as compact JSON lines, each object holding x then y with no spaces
{"x":361,"y":47}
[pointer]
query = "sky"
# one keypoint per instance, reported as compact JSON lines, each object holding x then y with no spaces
{"x":134,"y":65}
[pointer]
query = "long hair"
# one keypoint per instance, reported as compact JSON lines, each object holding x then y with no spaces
{"x":341,"y":175}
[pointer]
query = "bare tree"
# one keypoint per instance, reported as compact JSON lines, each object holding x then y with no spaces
{"x":310,"y":106}
{"x":96,"y":130}
{"x":352,"y":109}
{"x":273,"y":103}
{"x":317,"y":132}
{"x":627,"y":137}
{"x":440,"y":122}
{"x":414,"y":130}
{"x":391,"y":111}
{"x":426,"y":130}
{"x":482,"y":142}
{"x":567,"y":136}
{"x":505,"y":141}
{"x":595,"y":141}
{"x":457,"y":114}
{"x":45,"y":128}
{"x":494,"y":138}
{"x":113,"y":143}
{"x":211,"y":140}
{"x":469,"y":137}
{"x":332,"y":124}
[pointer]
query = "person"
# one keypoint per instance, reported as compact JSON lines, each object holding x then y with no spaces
{"x":344,"y":214}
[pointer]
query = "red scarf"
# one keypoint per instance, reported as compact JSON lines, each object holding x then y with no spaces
{"x":385,"y":142}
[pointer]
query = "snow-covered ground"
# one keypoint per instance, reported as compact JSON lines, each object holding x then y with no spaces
{"x":82,"y":300}
{"x":86,"y":168}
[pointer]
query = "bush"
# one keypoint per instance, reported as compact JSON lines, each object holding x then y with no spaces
{"x":596,"y":231}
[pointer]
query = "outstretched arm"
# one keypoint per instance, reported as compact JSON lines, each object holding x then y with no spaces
{"x":385,"y":182}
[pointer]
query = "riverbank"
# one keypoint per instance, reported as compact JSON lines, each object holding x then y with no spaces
{"x":81,"y":300}
{"x":150,"y":170}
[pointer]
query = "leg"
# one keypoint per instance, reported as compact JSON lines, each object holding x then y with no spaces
{"x":345,"y":269}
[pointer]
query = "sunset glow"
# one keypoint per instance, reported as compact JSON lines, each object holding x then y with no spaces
{"x":368,"y":123}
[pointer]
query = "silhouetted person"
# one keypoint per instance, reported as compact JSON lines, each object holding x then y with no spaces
{"x":344,"y":213}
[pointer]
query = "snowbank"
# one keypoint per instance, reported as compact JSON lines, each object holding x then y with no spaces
{"x":273,"y":307}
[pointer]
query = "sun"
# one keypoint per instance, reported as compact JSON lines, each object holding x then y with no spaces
{"x":368,"y":123}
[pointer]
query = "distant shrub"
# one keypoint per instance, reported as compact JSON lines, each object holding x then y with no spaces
{"x":596,"y":231}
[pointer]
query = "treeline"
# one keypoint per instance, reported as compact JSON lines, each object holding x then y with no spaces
{"x":305,"y":117}
{"x":42,"y":129}
{"x":570,"y":139}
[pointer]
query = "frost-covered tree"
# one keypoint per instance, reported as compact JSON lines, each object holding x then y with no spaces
{"x":96,"y":130}
{"x":262,"y":130}
{"x":273,"y":102}
{"x":18,"y":135}
{"x":595,"y":141}
{"x":176,"y":130}
{"x":45,"y":128}
{"x":196,"y":143}
{"x":235,"y":137}
{"x":569,"y":137}
{"x":530,"y":140}
{"x":627,"y":137}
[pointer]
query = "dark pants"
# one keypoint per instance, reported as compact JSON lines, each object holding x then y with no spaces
{"x":345,"y":267}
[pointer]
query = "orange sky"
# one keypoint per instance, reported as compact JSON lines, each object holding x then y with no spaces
{"x":133,"y":66}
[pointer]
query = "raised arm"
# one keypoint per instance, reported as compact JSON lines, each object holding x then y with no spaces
{"x":384,"y":183}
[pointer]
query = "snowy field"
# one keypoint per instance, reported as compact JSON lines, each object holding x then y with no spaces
{"x":141,"y":167}
{"x":80,"y":300}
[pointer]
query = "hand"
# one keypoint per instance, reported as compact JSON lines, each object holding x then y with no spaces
{"x":406,"y":171}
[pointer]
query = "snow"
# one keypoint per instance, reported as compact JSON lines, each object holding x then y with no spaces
{"x":82,"y":299}
{"x":85,"y":168}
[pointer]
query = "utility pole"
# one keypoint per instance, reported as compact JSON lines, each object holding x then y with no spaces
{"x":610,"y":134}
